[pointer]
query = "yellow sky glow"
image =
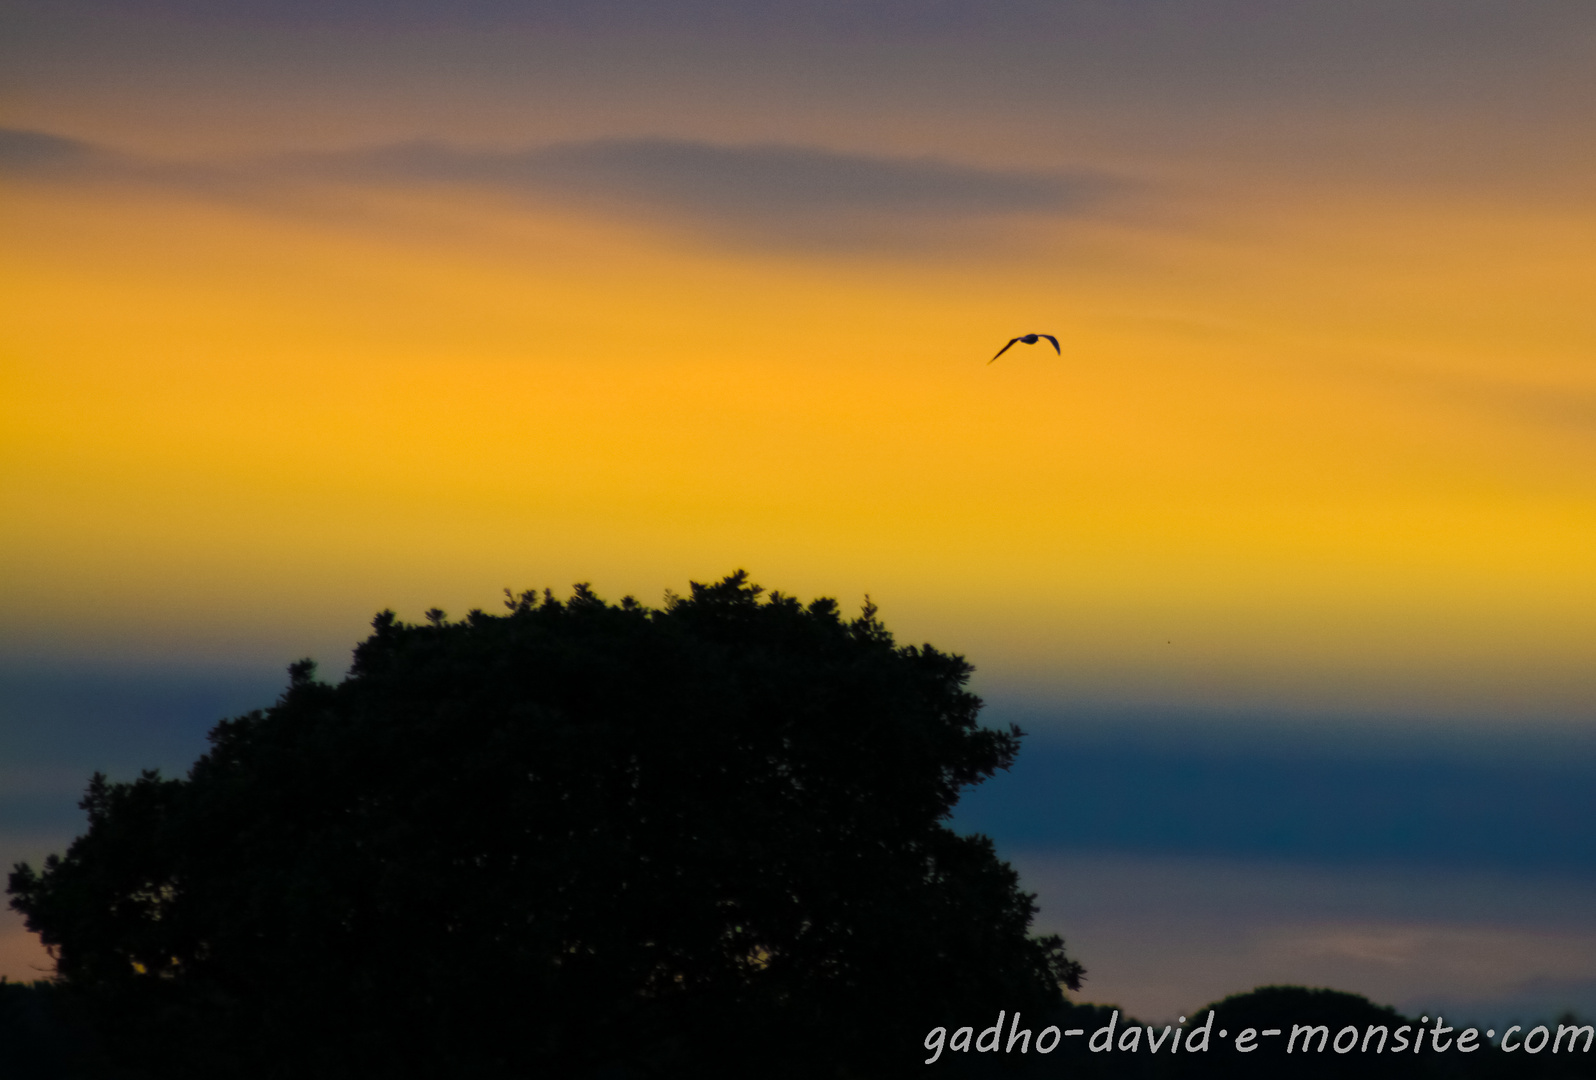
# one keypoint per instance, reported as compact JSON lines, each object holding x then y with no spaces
{"x":1341,"y":446}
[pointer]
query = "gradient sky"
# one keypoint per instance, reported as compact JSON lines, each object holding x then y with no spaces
{"x":308,"y":310}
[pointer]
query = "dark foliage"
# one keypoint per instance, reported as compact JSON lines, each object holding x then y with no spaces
{"x":1070,"y":1057}
{"x":1285,"y":1007}
{"x":576,"y":839}
{"x":42,"y":1036}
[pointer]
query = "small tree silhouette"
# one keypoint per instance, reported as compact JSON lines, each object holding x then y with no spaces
{"x":574,"y":839}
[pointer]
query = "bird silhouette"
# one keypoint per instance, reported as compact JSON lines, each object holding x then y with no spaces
{"x":1029,"y":339}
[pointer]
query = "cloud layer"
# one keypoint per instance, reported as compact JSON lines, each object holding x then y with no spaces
{"x":1284,"y":798}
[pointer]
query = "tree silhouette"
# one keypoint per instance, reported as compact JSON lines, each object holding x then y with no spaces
{"x":1315,"y":1057}
{"x":1284,"y":1008}
{"x":575,"y":839}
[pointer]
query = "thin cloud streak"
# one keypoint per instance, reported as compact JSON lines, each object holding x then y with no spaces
{"x":765,"y":193}
{"x":36,"y":152}
{"x":41,"y":156}
{"x":711,"y":179}
{"x":763,"y":196}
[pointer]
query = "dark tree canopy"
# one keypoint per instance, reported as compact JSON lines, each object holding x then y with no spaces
{"x":575,"y":839}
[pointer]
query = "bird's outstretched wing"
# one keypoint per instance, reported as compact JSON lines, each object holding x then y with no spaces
{"x":1051,"y":338}
{"x":1004,"y":349}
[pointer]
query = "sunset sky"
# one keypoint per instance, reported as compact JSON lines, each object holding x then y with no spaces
{"x":309,"y":310}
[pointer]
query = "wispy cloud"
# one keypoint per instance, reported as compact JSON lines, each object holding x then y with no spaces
{"x":24,"y":152}
{"x":760,"y":193}
{"x":707,"y":178}
{"x":43,"y":156}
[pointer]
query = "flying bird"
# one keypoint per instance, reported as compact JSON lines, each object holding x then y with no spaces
{"x":1029,"y":339}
